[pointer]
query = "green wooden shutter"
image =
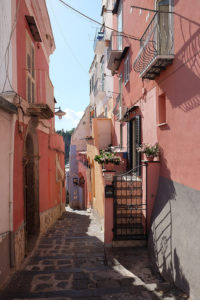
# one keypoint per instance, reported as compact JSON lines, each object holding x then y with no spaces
{"x":128,"y":145}
{"x":138,"y":141}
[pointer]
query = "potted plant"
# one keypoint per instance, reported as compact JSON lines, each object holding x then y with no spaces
{"x":107,"y":157}
{"x":149,"y":150}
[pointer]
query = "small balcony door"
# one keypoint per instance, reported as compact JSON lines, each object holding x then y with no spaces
{"x":119,"y":27}
{"x":164,"y":24}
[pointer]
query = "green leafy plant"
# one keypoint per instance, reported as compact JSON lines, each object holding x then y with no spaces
{"x":106,"y":157}
{"x":149,"y":150}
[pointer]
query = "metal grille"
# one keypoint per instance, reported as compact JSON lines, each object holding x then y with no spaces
{"x":130,"y":205}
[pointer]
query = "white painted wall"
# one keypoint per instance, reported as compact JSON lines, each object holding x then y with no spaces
{"x":5,"y":147}
{"x":100,"y":104}
{"x":5,"y":47}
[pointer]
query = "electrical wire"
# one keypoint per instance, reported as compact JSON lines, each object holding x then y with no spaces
{"x":66,"y":43}
{"x":99,"y":23}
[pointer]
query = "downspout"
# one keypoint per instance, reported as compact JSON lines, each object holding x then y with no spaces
{"x":11,"y":171}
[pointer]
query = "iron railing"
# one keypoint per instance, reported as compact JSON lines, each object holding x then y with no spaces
{"x":40,"y":89}
{"x":157,"y":40}
{"x":130,"y":205}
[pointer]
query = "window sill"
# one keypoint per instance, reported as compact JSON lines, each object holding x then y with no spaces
{"x":161,"y":124}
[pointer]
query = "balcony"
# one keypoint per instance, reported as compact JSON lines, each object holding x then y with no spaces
{"x":116,"y":51}
{"x":39,"y":94}
{"x":99,"y":42}
{"x":99,"y":91}
{"x":156,"y":48}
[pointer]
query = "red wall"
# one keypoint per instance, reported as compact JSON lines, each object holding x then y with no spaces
{"x":41,"y":64}
{"x":43,"y":170}
{"x":49,"y":145}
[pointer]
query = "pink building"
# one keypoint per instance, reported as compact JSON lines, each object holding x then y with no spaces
{"x":154,"y":57}
{"x":31,"y":153}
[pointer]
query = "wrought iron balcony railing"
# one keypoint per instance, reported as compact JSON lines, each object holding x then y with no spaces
{"x":156,"y":47}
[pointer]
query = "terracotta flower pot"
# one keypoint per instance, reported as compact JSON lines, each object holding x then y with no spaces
{"x":150,"y":158}
{"x":109,"y":166}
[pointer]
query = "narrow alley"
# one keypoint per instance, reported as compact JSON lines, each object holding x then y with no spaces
{"x":69,"y":262}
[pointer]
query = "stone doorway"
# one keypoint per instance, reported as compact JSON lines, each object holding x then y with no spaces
{"x":31,"y":192}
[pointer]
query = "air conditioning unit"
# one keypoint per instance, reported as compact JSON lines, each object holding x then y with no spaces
{"x":122,"y":114}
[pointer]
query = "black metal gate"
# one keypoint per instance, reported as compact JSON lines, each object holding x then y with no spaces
{"x":130,"y":205}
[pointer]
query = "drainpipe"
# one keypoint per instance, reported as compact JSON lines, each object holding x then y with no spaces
{"x":11,"y":171}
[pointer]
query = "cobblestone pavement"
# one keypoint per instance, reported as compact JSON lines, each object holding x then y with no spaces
{"x":69,"y":262}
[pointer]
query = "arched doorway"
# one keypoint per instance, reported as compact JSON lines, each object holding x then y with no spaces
{"x":31,"y":193}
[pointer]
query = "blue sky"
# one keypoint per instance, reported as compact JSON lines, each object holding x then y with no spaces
{"x":70,"y":63}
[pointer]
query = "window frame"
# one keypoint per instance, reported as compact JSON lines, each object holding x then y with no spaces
{"x":127,"y":69}
{"x":30,"y":70}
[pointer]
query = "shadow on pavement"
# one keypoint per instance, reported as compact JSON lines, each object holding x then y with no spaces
{"x":69,"y":263}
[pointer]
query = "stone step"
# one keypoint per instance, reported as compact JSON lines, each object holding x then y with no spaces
{"x":130,"y":243}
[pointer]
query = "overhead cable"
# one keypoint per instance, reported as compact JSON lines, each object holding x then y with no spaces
{"x":99,"y":23}
{"x":65,"y":41}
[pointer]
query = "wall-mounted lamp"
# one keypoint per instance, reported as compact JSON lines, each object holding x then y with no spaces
{"x":59,"y":113}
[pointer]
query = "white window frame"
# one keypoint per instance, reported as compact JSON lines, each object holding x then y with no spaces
{"x":30,"y":70}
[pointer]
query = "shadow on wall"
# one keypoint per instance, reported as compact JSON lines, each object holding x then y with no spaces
{"x":185,"y":94}
{"x":161,"y":249}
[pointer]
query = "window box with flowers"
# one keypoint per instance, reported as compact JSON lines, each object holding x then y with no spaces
{"x":107,"y":159}
{"x":151,"y":151}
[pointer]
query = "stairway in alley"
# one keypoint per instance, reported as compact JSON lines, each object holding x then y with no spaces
{"x":69,"y":262}
{"x":129,"y":208}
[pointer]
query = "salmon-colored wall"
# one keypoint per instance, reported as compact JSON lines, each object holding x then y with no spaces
{"x":179,"y":138}
{"x":18,"y":195}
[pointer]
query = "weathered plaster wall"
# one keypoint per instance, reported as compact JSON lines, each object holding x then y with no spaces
{"x":5,"y":148}
{"x":5,"y":257}
{"x":19,"y":245}
{"x":82,"y":131}
{"x":49,"y":217}
{"x":173,"y":240}
{"x":73,"y":173}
